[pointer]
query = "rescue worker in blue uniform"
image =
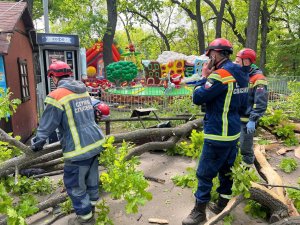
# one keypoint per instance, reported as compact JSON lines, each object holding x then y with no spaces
{"x":69,"y":108}
{"x":257,"y":103}
{"x":224,"y":90}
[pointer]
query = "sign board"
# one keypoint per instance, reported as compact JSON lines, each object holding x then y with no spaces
{"x":57,"y":39}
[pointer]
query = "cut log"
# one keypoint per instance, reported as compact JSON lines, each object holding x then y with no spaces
{"x":158,"y":221}
{"x":297,"y":152}
{"x":267,"y":173}
{"x":289,"y":221}
{"x":270,"y":199}
{"x":234,"y":202}
{"x":284,"y":150}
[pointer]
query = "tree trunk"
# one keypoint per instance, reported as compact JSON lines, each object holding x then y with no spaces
{"x":253,"y":24}
{"x":264,"y":32}
{"x":112,"y":18}
{"x":201,"y":36}
{"x":220,"y":19}
{"x":126,"y":28}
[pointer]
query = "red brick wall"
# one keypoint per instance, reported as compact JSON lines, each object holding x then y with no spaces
{"x":24,"y":121}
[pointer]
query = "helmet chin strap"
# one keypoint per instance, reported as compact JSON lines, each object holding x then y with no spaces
{"x":220,"y":62}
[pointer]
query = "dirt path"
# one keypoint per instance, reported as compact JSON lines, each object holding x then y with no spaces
{"x":169,"y":202}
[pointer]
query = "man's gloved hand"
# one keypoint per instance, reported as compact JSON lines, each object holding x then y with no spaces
{"x":250,"y":127}
{"x":37,"y":144}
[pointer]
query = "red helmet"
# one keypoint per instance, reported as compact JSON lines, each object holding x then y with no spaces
{"x":59,"y":69}
{"x":219,"y":44}
{"x":247,"y":53}
{"x":103,"y":109}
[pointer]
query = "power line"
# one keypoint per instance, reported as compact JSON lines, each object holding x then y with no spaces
{"x":14,"y":5}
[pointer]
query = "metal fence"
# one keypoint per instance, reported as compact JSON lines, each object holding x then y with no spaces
{"x":125,"y":99}
{"x":278,"y":87}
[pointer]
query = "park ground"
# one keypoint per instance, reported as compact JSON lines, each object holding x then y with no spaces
{"x":170,"y":202}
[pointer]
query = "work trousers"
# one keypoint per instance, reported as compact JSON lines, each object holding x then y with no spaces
{"x":81,"y":179}
{"x":246,"y":145}
{"x":216,"y":158}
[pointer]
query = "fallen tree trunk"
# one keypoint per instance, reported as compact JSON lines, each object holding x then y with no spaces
{"x":25,"y":160}
{"x":267,"y":173}
{"x":289,"y":221}
{"x":5,"y":166}
{"x":234,"y":202}
{"x":152,"y":146}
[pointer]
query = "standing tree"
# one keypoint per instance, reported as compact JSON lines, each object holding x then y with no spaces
{"x":112,"y":17}
{"x":265,"y":29}
{"x":219,"y":16}
{"x":196,"y":17}
{"x":253,"y":24}
{"x":149,"y":12}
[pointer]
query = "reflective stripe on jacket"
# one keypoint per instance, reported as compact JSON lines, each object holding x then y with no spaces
{"x":258,"y":96}
{"x":72,"y":113}
{"x":224,"y":92}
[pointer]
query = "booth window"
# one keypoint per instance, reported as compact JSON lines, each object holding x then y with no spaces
{"x":23,"y":71}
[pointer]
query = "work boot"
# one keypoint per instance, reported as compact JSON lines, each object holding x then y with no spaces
{"x":221,"y":204}
{"x":196,"y":216}
{"x":79,"y":221}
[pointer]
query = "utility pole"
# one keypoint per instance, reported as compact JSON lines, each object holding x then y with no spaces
{"x":46,"y":17}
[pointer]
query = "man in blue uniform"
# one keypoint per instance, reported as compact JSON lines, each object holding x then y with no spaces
{"x":257,"y":103}
{"x":69,"y":108}
{"x":224,"y":89}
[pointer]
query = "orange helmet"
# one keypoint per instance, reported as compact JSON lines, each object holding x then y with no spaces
{"x":219,"y":44}
{"x":59,"y":69}
{"x":247,"y":53}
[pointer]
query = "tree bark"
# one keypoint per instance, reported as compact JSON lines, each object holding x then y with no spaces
{"x":253,"y":24}
{"x":233,"y":26}
{"x":112,"y":18}
{"x":264,"y":33}
{"x":196,"y":17}
{"x":219,"y":16}
{"x":147,"y":135}
{"x":126,"y":28}
{"x":154,"y":26}
{"x":265,"y":20}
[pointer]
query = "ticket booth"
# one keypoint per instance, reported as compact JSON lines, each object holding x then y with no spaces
{"x":51,"y":48}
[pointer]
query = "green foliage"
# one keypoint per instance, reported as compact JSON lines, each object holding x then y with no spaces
{"x":295,"y":196}
{"x":279,"y":125}
{"x":272,"y":119}
{"x":256,"y":210}
{"x":121,"y":71}
{"x":288,"y":165}
{"x":28,"y":185}
{"x":193,"y":149}
{"x":82,"y":17}
{"x":189,"y":180}
{"x":16,"y":213}
{"x":183,"y":105}
{"x":122,"y":179}
{"x":242,"y":177}
{"x":228,"y":219}
{"x":66,"y":207}
{"x":8,"y":151}
{"x":263,"y":142}
{"x":293,"y":101}
{"x":102,"y":216}
{"x":7,"y":106}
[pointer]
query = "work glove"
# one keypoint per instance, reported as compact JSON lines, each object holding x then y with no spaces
{"x":250,"y":127}
{"x":37,"y":144}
